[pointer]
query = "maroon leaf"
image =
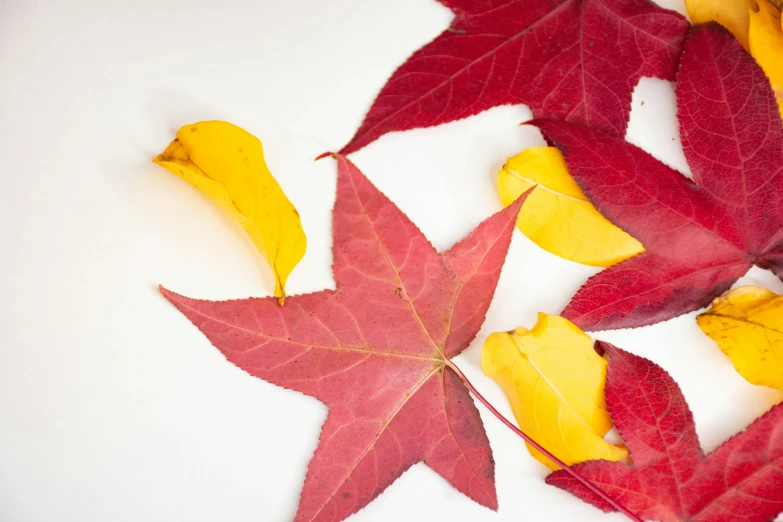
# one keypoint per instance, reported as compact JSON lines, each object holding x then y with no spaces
{"x":376,"y":350}
{"x":671,"y":480}
{"x":700,"y":237}
{"x":573,"y":59}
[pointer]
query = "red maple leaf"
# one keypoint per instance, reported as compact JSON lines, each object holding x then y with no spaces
{"x":577,"y":60}
{"x":671,"y":480}
{"x":376,"y":350}
{"x":700,"y":235}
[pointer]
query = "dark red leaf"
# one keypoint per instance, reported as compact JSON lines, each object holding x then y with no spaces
{"x":671,"y":480}
{"x":376,"y":350}
{"x":700,"y":237}
{"x":573,"y":59}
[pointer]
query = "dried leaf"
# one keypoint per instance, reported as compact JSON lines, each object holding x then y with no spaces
{"x":671,"y":480}
{"x":376,"y":350}
{"x":555,"y":382}
{"x":557,"y":216}
{"x":747,"y":324}
{"x":227,"y":164}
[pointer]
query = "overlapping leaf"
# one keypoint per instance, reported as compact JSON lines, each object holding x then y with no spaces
{"x":731,"y":14}
{"x":671,"y":479}
{"x":701,"y":235}
{"x":578,"y":60}
{"x":554,"y":381}
{"x":376,"y":350}
{"x":557,"y":215}
{"x":747,"y":324}
{"x":765,"y":39}
{"x":756,"y":24}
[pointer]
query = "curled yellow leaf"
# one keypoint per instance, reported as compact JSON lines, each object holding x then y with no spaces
{"x":557,"y":216}
{"x":555,"y":383}
{"x":227,"y":164}
{"x":747,"y":324}
{"x":766,"y":45}
{"x":731,"y":14}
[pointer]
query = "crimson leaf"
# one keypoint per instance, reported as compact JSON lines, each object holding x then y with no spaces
{"x":671,"y":480}
{"x":376,"y":350}
{"x":578,"y":60}
{"x":700,"y":235}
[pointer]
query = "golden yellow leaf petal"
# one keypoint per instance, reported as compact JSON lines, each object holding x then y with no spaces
{"x":557,"y":216}
{"x":227,"y":164}
{"x":747,"y":324}
{"x":555,"y":383}
{"x":766,"y":45}
{"x":731,"y":14}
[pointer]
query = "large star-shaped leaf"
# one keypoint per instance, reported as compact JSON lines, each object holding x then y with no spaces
{"x":700,"y":235}
{"x":578,"y":60}
{"x":376,"y":350}
{"x":671,"y":479}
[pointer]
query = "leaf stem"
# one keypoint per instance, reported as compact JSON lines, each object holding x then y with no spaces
{"x":568,"y":469}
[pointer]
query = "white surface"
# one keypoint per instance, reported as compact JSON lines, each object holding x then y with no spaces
{"x":113,"y":406}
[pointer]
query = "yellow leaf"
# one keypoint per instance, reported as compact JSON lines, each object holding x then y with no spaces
{"x":555,"y":382}
{"x":731,"y":14}
{"x":557,"y":216}
{"x":227,"y":164}
{"x":747,"y":324}
{"x":766,"y":45}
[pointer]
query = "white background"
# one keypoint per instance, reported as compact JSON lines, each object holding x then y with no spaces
{"x":113,"y":407}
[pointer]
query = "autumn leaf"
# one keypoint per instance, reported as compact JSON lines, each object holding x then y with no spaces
{"x":577,"y":60}
{"x":557,"y":216}
{"x":747,"y":324}
{"x":671,"y":479}
{"x":377,"y":350}
{"x":765,"y":35}
{"x":700,"y":236}
{"x":554,"y":381}
{"x":731,"y":14}
{"x":756,"y":24}
{"x":227,"y":164}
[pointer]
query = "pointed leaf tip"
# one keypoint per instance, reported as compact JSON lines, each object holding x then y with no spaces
{"x":168,"y":294}
{"x":516,"y":206}
{"x":604,"y":346}
{"x":325,"y":155}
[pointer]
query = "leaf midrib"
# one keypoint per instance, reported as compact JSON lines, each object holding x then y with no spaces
{"x":470,"y":64}
{"x":371,"y":445}
{"x":735,"y":488}
{"x":306,"y":345}
{"x":741,"y":320}
{"x":441,"y":356}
